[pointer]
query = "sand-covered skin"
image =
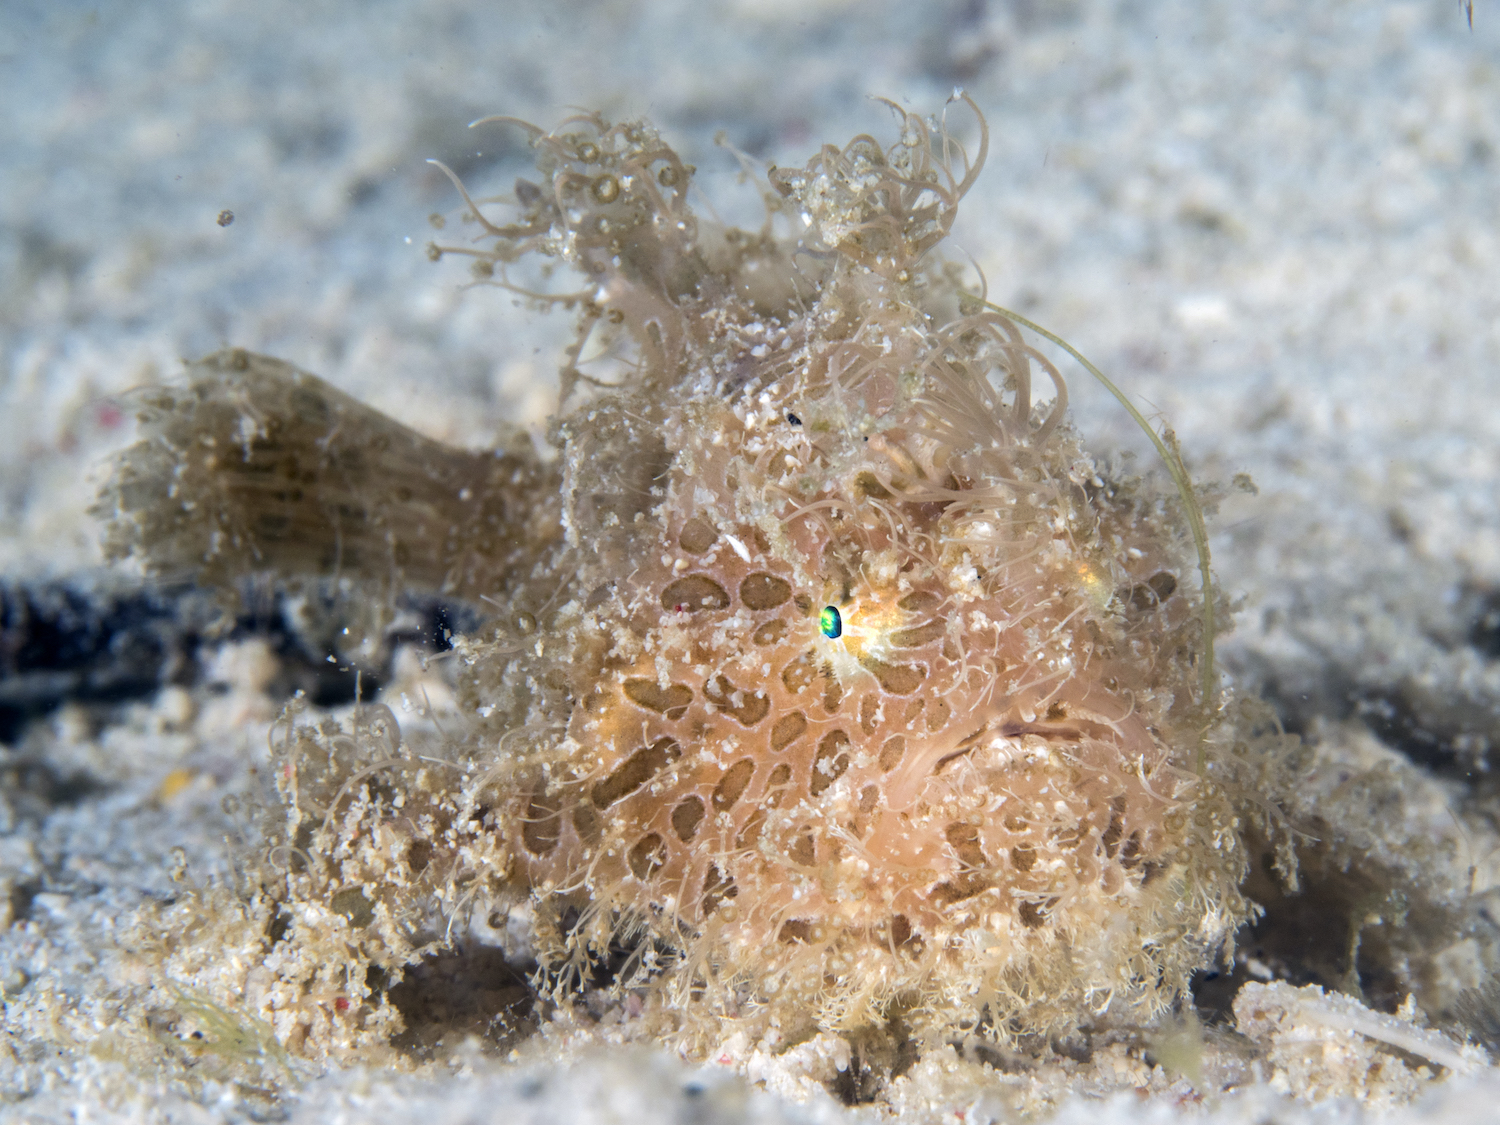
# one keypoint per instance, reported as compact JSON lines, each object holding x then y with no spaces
{"x":1277,"y":231}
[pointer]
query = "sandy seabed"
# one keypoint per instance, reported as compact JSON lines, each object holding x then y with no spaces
{"x":1274,"y":224}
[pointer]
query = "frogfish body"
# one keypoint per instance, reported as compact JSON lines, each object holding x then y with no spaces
{"x":826,"y":675}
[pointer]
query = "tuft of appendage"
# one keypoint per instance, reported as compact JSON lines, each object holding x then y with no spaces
{"x":253,"y":466}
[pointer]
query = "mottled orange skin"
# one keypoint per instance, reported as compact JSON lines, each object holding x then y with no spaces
{"x":977,"y":802}
{"x":965,"y":785}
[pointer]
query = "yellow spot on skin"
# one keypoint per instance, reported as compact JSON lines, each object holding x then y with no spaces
{"x":868,"y":624}
{"x":1095,"y":584}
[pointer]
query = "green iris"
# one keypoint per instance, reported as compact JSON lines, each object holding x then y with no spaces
{"x":831,"y":623}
